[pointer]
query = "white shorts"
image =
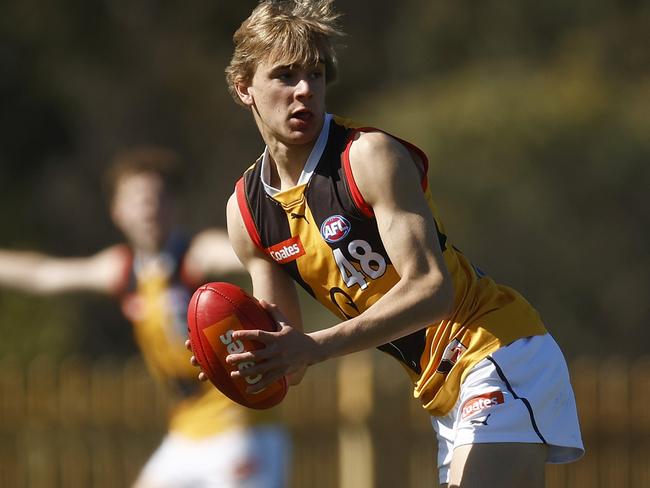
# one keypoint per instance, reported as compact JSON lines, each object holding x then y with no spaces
{"x":239,"y":458}
{"x":520,"y":393}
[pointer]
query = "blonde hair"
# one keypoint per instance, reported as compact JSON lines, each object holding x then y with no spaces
{"x":296,"y":31}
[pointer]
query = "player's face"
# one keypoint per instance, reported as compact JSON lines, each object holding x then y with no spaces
{"x":140,"y":209}
{"x":288,"y":101}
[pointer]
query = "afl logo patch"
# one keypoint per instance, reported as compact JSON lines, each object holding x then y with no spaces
{"x":335,"y":228}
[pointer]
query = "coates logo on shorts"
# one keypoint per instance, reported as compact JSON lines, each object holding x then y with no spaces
{"x":335,"y":228}
{"x":286,"y":251}
{"x":481,"y":402}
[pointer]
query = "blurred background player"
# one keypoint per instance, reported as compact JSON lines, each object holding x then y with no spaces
{"x":211,"y":441}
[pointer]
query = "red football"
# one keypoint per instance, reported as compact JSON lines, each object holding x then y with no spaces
{"x":214,"y":312}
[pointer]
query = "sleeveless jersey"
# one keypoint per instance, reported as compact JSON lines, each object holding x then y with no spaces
{"x":155,"y":294}
{"x":325,"y":236}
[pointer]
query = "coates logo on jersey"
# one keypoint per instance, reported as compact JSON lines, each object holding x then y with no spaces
{"x":287,"y":251}
{"x":335,"y":228}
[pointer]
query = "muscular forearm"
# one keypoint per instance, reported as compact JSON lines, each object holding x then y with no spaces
{"x":407,"y":307}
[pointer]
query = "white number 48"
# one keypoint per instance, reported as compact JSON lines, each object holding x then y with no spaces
{"x":372,"y":264}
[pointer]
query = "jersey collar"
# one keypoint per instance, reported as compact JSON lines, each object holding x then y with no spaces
{"x":310,"y":165}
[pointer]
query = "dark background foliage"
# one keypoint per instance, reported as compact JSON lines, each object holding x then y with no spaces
{"x":535,"y":116}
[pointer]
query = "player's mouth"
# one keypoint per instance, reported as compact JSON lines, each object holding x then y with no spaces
{"x":301,"y":117}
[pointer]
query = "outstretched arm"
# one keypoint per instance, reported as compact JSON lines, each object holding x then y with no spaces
{"x":210,"y":253}
{"x":39,"y":273}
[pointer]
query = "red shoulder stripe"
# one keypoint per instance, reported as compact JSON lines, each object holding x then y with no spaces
{"x":125,"y":256}
{"x":357,"y":197}
{"x":359,"y":201}
{"x":244,"y":210}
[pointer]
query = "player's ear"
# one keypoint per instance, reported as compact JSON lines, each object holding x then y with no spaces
{"x":244,"y":92}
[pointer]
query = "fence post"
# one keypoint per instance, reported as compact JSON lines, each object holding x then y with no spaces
{"x":356,"y":459}
{"x":310,"y":411}
{"x":74,"y":393}
{"x":640,"y":418}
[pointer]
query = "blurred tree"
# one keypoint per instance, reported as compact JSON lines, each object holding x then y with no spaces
{"x":534,"y":116}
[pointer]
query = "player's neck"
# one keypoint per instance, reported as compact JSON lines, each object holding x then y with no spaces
{"x":287,"y":163}
{"x":151,"y":246}
{"x":147,"y":252}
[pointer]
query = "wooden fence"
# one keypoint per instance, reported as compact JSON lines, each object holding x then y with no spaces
{"x":74,"y":424}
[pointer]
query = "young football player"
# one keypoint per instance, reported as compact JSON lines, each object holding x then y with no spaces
{"x":351,"y":209}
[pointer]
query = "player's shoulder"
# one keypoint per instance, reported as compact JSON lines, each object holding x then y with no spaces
{"x":232,"y":207}
{"x":376,"y":156}
{"x":372,"y":143}
{"x":240,"y":228}
{"x":109,"y":268}
{"x":118,"y":253}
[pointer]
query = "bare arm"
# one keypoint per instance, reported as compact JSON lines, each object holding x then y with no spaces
{"x":39,"y":273}
{"x":387,"y":177}
{"x":424,"y":293}
{"x":270,"y":283}
{"x":274,"y":288}
{"x":210,"y":253}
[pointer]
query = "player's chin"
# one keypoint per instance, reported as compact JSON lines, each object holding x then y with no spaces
{"x":299,"y":138}
{"x":302,"y":132}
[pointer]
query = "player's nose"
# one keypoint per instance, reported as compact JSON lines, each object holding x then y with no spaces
{"x":304,"y":87}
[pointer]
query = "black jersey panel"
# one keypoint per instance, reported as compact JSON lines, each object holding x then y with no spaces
{"x":407,"y":349}
{"x":328,"y":197}
{"x":270,"y":219}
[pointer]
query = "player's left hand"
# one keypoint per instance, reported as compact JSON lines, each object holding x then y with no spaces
{"x":286,"y":352}
{"x":195,"y":363}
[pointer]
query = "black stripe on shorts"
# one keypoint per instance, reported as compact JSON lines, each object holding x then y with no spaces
{"x":517,"y":397}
